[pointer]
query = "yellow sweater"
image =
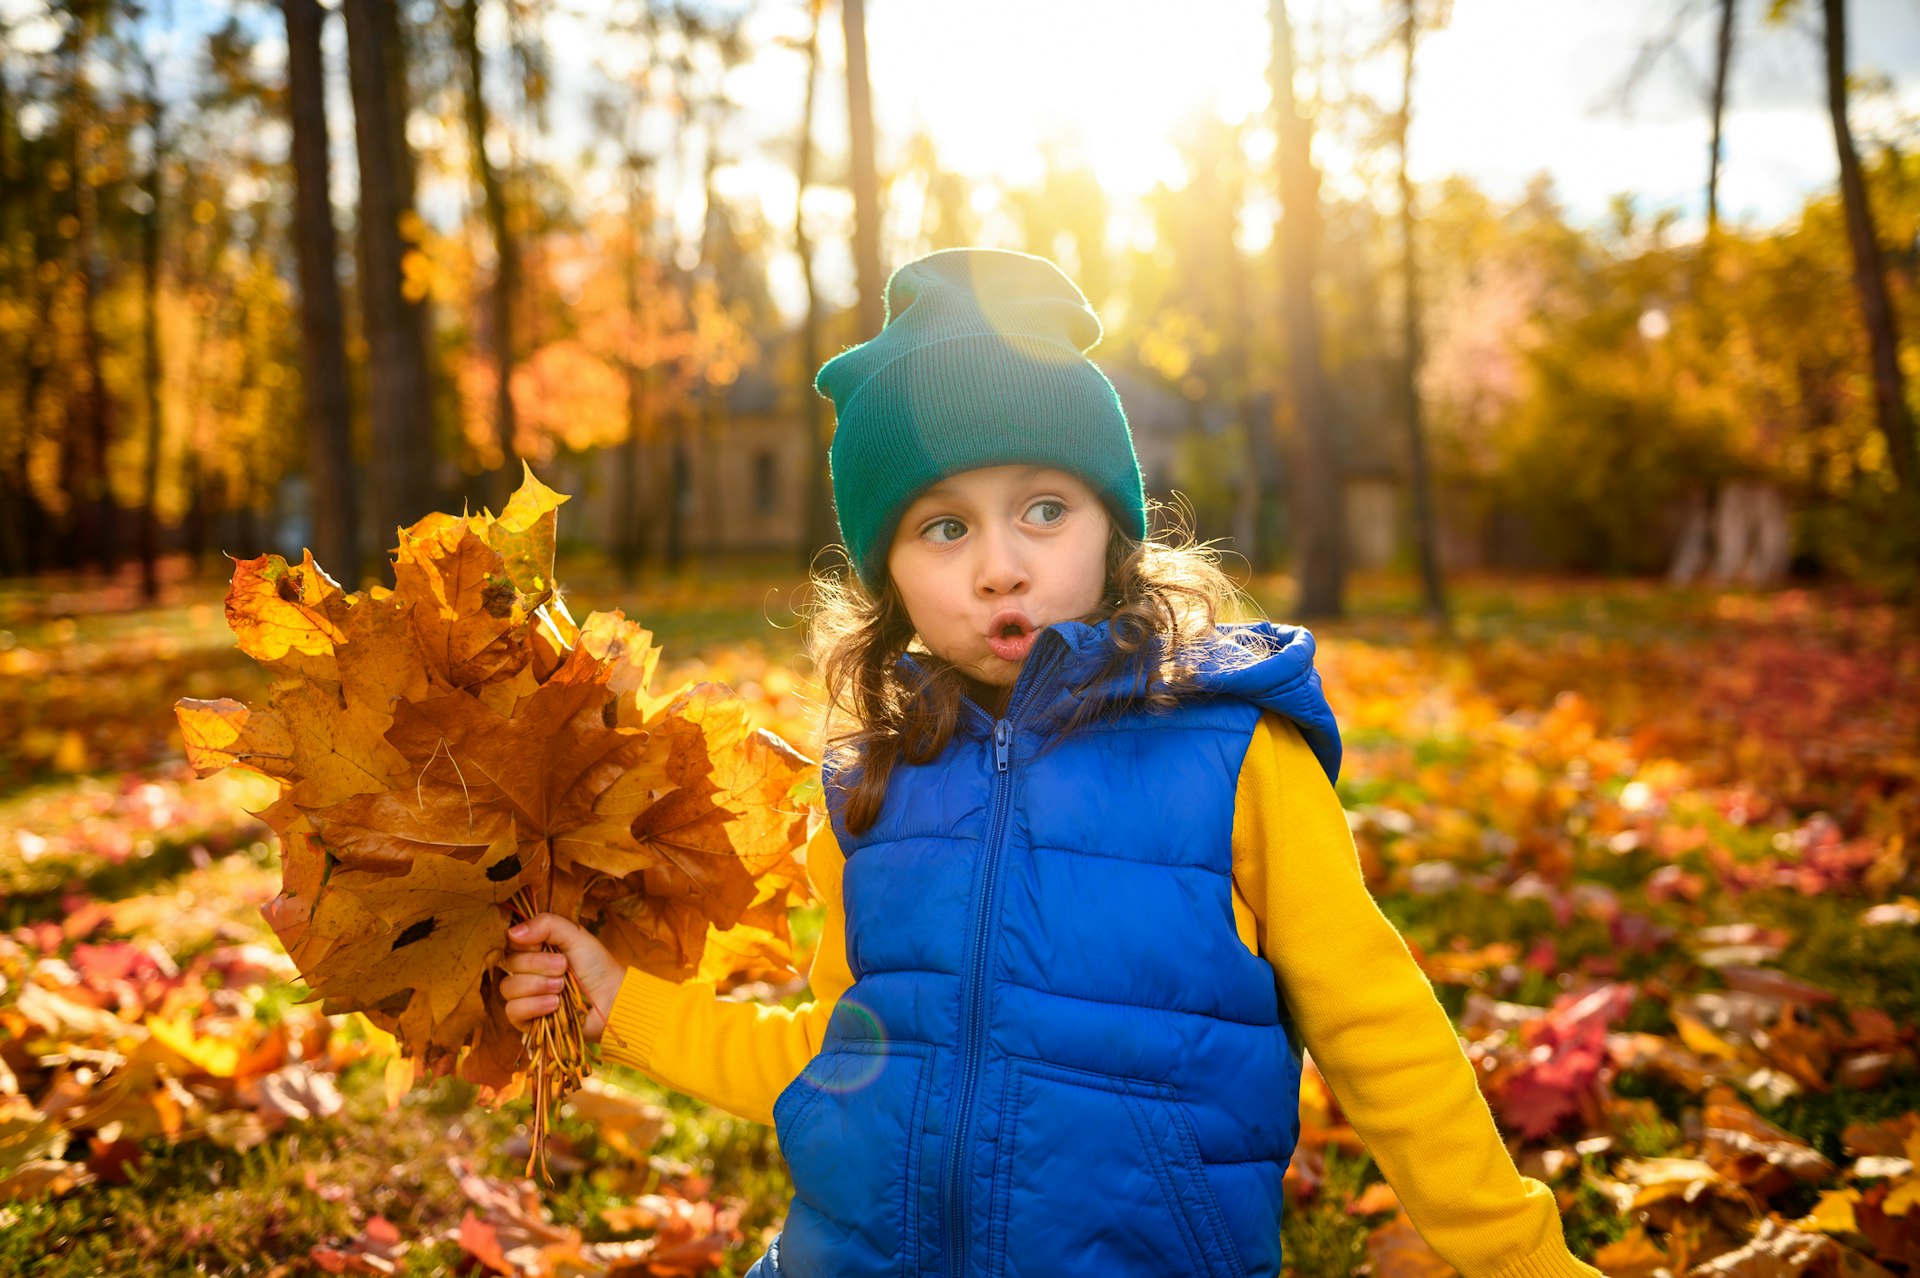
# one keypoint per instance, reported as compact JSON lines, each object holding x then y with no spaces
{"x":1361,"y":1006}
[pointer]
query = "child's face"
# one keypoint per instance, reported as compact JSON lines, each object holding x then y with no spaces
{"x":985,"y":558}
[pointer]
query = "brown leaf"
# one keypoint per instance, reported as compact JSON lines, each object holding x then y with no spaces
{"x":387,"y":831}
{"x":377,"y":1249}
{"x":227,"y":734}
{"x":546,"y":765}
{"x":511,"y":1208}
{"x":1633,"y":1256}
{"x":1890,"y":1138}
{"x":1781,"y":1251}
{"x":1750,"y":1151}
{"x":465,"y":609}
{"x":623,"y":1120}
{"x":665,"y":935}
{"x":444,"y":926}
{"x":298,"y":1092}
{"x":497,"y":1053}
{"x":379,"y":662}
{"x":428,"y":734}
{"x":339,"y":748}
{"x":1398,"y":1251}
{"x":482,"y":1241}
{"x":626,"y":649}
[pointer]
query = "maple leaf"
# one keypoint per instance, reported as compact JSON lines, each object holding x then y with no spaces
{"x":660,"y":934}
{"x":524,"y":534}
{"x":465,"y":608}
{"x":279,"y":614}
{"x":443,"y":925}
{"x":226,"y":733}
{"x":458,"y":749}
{"x":541,"y":770}
{"x":625,"y":648}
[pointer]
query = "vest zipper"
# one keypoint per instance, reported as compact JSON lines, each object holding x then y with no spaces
{"x":976,"y":981}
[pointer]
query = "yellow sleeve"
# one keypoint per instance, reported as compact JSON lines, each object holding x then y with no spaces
{"x":1365,"y":1010}
{"x":736,"y":1055}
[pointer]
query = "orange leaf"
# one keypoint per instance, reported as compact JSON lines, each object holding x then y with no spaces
{"x":1398,"y":1251}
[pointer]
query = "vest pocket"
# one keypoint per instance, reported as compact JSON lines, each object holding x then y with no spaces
{"x":1102,"y":1174}
{"x":849,"y":1127}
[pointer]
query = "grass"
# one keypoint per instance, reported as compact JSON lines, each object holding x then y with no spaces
{"x":196,"y":1208}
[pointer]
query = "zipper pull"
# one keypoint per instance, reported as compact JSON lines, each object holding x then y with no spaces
{"x":1002,"y":742}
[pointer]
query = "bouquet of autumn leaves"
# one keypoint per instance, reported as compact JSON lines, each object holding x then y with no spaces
{"x":457,"y":754}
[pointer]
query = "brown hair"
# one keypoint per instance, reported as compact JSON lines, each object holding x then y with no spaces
{"x":1162,"y":598}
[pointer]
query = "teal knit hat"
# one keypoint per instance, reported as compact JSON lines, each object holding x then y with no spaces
{"x":979,"y":363}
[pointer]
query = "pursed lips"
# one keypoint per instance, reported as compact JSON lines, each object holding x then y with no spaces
{"x":1010,"y":635}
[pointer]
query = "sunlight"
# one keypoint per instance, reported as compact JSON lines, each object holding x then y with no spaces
{"x":1104,"y":84}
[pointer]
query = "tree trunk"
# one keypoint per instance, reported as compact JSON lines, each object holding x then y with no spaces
{"x":1722,"y":61}
{"x":16,"y":516}
{"x":1317,"y":493}
{"x":630,"y":535}
{"x":709,"y":412}
{"x":395,"y":322}
{"x":1425,"y":540}
{"x":679,"y":488}
{"x":506,"y":253}
{"x":150,"y":330}
{"x":866,"y":188}
{"x":817,"y":531}
{"x":99,"y":530}
{"x":1869,"y":275}
{"x":88,"y":428}
{"x":336,"y":541}
{"x":1250,"y":531}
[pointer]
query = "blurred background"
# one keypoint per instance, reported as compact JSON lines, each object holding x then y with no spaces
{"x":1555,"y":359}
{"x":1396,"y":285}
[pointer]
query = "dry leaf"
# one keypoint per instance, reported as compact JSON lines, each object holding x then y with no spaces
{"x":458,"y":746}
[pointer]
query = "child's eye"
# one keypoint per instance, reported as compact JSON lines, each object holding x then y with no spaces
{"x":1047,"y":511}
{"x":944,"y":530}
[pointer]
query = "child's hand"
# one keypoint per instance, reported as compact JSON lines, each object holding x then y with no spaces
{"x":537,"y":976}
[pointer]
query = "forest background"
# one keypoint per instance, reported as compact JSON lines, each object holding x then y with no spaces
{"x":1599,"y":487}
{"x":241,"y":246}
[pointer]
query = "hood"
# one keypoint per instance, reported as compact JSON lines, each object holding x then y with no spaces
{"x":1266,"y":663}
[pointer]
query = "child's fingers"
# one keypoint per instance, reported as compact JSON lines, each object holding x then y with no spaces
{"x":530,"y":985}
{"x":543,"y":929}
{"x":522,"y":1012}
{"x":536,"y":962}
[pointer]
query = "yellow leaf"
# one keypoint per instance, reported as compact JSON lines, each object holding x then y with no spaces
{"x":1833,"y":1214}
{"x":216,"y":1056}
{"x":278,"y":613}
{"x":524,"y":533}
{"x":399,"y":1080}
{"x":225,"y":733}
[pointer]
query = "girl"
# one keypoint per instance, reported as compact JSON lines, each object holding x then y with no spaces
{"x":1089,"y":891}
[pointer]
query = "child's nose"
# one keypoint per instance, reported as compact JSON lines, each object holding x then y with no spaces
{"x":1002,"y":569}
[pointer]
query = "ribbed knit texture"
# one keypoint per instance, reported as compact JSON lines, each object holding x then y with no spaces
{"x":980,"y":363}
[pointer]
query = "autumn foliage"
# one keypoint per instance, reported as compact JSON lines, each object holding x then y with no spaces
{"x":458,"y":752}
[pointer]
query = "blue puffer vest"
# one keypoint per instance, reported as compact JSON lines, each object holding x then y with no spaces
{"x":1057,"y":1058}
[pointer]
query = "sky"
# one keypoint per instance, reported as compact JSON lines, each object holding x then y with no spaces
{"x":1507,"y":90}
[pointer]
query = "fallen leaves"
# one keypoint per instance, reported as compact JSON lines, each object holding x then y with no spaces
{"x":458,"y":745}
{"x":507,"y":1230}
{"x":1636,"y":833}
